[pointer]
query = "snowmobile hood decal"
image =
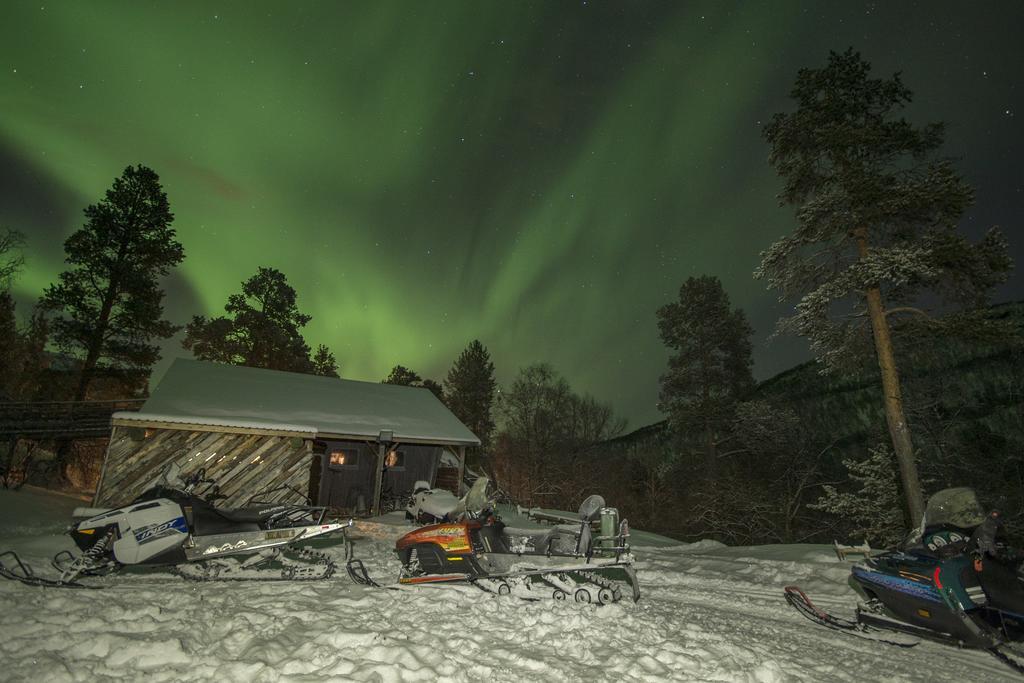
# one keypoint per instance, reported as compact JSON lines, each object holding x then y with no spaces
{"x":897,"y":583}
{"x":154,"y":531}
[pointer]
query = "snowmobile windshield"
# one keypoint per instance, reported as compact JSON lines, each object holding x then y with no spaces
{"x":957,"y":507}
{"x":476,"y":499}
{"x":169,"y":477}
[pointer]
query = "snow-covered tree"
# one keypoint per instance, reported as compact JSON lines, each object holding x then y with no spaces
{"x":873,"y":508}
{"x":877,"y":211}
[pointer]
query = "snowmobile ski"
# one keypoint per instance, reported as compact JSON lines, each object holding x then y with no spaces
{"x":954,"y":580}
{"x":1008,"y":656}
{"x":799,"y":601}
{"x":19,"y":570}
{"x":872,"y":625}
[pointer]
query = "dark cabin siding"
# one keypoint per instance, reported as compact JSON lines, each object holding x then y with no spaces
{"x":341,"y":487}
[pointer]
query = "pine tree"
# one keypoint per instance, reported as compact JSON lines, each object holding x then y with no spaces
{"x":470,"y":388}
{"x":108,"y":305}
{"x":435,"y":388}
{"x":403,"y":376}
{"x":877,"y":211}
{"x":324,"y":362}
{"x":710,"y":369}
{"x":261,"y":328}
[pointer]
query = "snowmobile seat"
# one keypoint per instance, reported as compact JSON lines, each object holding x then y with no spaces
{"x":1002,"y":586}
{"x":244,"y":515}
{"x":555,"y":541}
{"x":208,"y":520}
{"x":493,"y":539}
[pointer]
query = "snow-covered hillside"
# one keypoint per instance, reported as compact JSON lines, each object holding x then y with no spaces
{"x":708,"y":613}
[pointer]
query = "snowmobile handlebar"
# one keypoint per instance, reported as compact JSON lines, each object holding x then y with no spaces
{"x":198,"y":478}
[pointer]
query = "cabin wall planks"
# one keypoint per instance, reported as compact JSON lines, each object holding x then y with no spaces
{"x":242,"y":464}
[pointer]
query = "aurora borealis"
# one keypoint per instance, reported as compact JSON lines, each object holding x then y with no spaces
{"x":541,"y":176}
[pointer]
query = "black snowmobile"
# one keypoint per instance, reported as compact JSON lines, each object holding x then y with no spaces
{"x":954,"y":580}
{"x":170,"y":524}
{"x":564,"y":562}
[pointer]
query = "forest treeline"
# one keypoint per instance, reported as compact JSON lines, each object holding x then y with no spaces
{"x":916,"y":382}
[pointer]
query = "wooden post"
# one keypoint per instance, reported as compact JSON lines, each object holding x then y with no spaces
{"x":103,"y":468}
{"x":381,"y":454}
{"x":462,"y":469}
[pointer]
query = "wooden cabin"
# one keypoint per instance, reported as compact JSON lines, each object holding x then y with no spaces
{"x":282,"y":436}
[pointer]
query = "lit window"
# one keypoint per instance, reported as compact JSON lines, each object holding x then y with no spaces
{"x":395,"y":459}
{"x":343,"y":458}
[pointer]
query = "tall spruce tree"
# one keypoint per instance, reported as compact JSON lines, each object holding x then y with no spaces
{"x":108,"y":305}
{"x":262,"y":328}
{"x":470,"y":388}
{"x":709,"y":371}
{"x":877,"y":211}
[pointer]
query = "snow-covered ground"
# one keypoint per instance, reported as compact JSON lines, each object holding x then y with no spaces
{"x":708,"y":613}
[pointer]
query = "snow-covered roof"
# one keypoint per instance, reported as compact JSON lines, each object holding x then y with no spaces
{"x":214,"y":394}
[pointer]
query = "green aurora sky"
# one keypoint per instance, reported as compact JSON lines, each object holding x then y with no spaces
{"x":541,"y":176}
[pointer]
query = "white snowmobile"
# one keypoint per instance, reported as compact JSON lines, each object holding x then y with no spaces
{"x":170,"y":524}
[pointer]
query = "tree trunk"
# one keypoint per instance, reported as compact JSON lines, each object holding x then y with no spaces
{"x":92,"y":356}
{"x":711,"y":455}
{"x":894,"y":415}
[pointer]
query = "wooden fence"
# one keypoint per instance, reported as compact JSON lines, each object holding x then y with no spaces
{"x":60,"y":419}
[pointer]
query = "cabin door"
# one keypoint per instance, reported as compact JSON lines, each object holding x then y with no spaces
{"x":341,"y":479}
